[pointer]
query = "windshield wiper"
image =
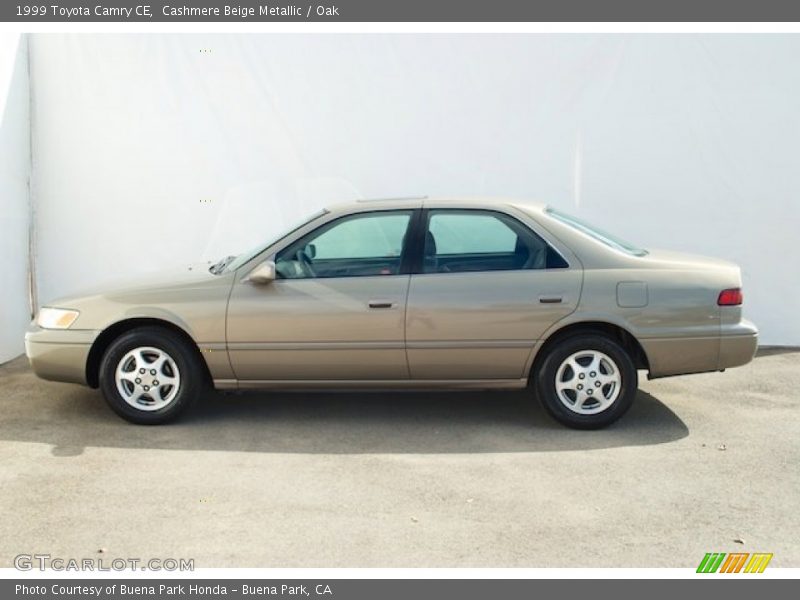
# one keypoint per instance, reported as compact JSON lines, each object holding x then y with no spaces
{"x":217,"y":267}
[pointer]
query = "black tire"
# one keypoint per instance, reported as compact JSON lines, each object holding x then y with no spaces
{"x":183,"y":358}
{"x":555,"y":357}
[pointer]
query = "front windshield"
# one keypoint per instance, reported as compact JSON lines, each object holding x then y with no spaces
{"x":233,"y":263}
{"x":598,"y":234}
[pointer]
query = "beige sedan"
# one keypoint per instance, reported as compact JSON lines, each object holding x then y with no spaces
{"x":407,"y":294}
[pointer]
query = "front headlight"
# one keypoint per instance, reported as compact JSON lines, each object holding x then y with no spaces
{"x":56,"y":318}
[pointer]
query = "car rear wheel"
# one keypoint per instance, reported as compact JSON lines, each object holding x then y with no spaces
{"x":150,"y":375}
{"x":586,"y":381}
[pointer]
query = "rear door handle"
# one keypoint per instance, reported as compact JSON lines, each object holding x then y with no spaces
{"x":550,"y":299}
{"x":380,"y":304}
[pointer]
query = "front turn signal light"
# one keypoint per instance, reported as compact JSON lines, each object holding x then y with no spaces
{"x":56,"y":318}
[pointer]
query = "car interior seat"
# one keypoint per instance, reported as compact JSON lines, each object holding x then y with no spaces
{"x":429,"y":262}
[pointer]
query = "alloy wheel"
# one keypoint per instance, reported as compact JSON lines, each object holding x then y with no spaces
{"x":588,"y":382}
{"x":147,"y":378}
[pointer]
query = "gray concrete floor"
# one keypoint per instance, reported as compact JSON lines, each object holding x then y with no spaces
{"x":444,"y":479}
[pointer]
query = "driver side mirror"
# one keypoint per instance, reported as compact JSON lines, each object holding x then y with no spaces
{"x":263,"y":273}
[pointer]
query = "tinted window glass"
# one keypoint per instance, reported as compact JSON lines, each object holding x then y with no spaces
{"x":357,"y":246}
{"x":598,"y":234}
{"x":473,"y":240}
{"x":367,"y":237}
{"x":469,"y":234}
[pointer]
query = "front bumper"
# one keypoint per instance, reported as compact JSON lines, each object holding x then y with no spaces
{"x":59,"y":354}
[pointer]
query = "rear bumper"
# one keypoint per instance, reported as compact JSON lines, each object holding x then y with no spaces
{"x":735,"y":346}
{"x":59,"y":355}
{"x":681,"y":356}
{"x":738,"y":344}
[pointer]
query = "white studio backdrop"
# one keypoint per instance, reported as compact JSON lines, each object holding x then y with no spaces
{"x":151,"y":151}
{"x":14,"y":197}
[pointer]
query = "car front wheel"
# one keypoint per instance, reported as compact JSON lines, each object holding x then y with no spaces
{"x":149,"y":376}
{"x":586,"y":381}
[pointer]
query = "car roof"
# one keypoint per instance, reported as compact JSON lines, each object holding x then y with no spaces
{"x":413,"y":202}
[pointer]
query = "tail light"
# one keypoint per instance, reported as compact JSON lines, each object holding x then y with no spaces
{"x":731,"y":297}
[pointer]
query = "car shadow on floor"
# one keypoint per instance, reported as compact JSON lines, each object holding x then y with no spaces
{"x":71,"y":418}
{"x":775,"y":350}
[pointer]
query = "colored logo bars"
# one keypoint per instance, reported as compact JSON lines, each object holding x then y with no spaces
{"x":735,"y":562}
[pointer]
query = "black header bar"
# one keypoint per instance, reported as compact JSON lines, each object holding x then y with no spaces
{"x":32,"y":11}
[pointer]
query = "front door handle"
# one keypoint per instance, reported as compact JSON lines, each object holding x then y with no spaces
{"x":380,"y":304}
{"x":550,"y":299}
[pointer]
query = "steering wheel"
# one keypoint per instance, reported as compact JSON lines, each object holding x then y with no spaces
{"x":304,"y":260}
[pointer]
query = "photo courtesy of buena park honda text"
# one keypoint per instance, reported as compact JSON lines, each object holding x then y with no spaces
{"x":359,"y":299}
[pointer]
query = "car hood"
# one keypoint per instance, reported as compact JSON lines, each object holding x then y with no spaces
{"x":169,"y":279}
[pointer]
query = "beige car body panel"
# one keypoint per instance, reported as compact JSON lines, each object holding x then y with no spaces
{"x":340,"y":336}
{"x":190,"y":299}
{"x":452,"y":330}
{"x":486,"y":324}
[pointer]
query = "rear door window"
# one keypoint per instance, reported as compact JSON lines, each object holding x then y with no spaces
{"x":458,"y":241}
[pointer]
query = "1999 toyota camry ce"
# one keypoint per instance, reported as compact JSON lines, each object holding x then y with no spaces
{"x":407,"y":294}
